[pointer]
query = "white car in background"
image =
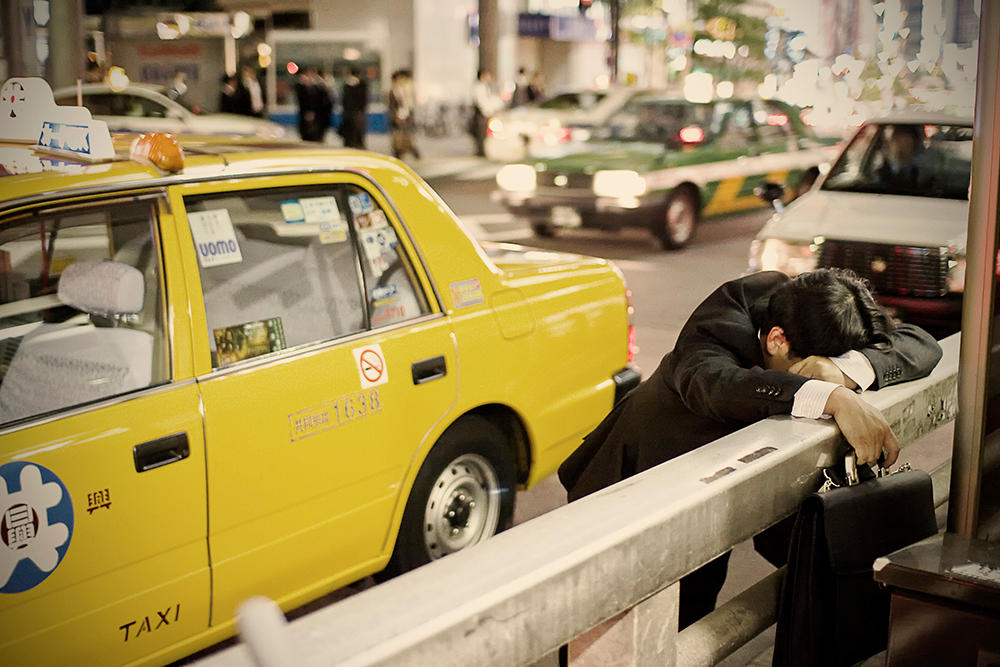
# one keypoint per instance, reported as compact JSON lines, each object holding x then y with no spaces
{"x":551,"y":127}
{"x":907,"y":237}
{"x":146,"y":108}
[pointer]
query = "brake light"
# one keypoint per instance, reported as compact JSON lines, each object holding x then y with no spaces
{"x":632,"y":346}
{"x":692,"y":134}
{"x":551,"y":135}
{"x":777,"y":119}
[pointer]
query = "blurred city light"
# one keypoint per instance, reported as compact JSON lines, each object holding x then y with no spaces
{"x":117,"y":79}
{"x":698,"y":87}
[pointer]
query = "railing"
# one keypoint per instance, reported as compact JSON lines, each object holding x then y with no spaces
{"x":600,"y":573}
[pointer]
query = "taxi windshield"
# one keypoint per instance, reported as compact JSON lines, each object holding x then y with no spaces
{"x":916,"y":159}
{"x":659,"y":121}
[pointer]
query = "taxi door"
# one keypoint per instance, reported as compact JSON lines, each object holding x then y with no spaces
{"x":323,"y":365}
{"x":102,"y":477}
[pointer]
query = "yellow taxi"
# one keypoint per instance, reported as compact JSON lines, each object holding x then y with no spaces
{"x":230,"y":369}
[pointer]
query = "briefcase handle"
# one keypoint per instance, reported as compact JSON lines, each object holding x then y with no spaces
{"x":851,"y":476}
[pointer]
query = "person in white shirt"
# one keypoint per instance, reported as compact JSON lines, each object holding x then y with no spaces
{"x":485,"y":103}
{"x":255,"y":96}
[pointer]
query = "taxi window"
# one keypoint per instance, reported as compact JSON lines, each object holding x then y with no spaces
{"x":732,"y":126}
{"x":81,"y":308}
{"x":391,"y":287}
{"x":293,"y":266}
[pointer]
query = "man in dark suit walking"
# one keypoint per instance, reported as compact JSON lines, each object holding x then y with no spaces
{"x":760,"y":345}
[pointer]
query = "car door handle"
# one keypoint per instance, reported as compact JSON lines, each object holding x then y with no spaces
{"x":429,"y":369}
{"x":160,"y":452}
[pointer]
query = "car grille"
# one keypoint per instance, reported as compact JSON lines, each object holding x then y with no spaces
{"x":891,"y":269}
{"x":574,"y":181}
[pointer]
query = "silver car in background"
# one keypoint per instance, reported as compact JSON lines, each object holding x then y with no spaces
{"x":146,"y":108}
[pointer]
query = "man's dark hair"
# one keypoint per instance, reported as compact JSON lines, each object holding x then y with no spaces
{"x":827,"y":312}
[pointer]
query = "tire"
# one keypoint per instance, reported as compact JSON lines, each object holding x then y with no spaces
{"x":543,"y":229}
{"x":675,"y":229}
{"x":463,"y":494}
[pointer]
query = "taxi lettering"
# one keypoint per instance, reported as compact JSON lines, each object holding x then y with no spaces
{"x":334,"y":413}
{"x":151,"y":623}
{"x":100,"y":499}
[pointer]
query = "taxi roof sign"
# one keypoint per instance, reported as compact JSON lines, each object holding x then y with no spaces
{"x":29,"y":114}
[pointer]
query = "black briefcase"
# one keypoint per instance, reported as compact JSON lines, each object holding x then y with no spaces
{"x":831,"y":611}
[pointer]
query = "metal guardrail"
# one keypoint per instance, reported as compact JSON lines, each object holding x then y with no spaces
{"x":517,"y":597}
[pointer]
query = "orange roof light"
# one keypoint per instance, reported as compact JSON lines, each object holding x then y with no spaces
{"x":159,"y":149}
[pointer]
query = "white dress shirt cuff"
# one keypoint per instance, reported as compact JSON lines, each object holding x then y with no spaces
{"x":856,"y":366}
{"x":811,"y":398}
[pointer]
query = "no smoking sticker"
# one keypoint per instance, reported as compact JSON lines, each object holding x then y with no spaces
{"x":371,"y":365}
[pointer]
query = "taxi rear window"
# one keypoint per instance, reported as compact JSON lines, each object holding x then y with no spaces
{"x":282,"y":268}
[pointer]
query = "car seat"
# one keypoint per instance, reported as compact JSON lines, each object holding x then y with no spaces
{"x":74,"y":362}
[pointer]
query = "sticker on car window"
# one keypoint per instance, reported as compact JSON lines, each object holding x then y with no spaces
{"x":292,"y":212}
{"x":332,"y":232}
{"x":36,"y":525}
{"x":379,"y":245}
{"x":360,"y":203}
{"x":384,"y":294}
{"x":321,"y":209}
{"x":467,"y":293}
{"x":378,"y":219}
{"x":214,"y":238}
{"x":248,"y":340}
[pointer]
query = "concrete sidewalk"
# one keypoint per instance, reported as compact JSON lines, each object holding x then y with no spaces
{"x":439,"y":156}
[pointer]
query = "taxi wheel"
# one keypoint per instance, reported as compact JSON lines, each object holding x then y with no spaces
{"x":463,"y":494}
{"x":680,"y":216}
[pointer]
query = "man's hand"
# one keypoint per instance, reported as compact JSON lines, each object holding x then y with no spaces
{"x":863,"y":426}
{"x":821,"y":368}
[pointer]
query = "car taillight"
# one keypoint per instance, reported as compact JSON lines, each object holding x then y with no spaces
{"x":551,"y":135}
{"x":632,"y":346}
{"x":692,"y":134}
{"x":777,"y":119}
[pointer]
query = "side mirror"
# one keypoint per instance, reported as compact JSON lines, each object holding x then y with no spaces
{"x":770,"y":192}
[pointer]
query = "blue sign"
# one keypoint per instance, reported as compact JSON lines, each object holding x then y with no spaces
{"x":36,"y":525}
{"x":533,"y":25}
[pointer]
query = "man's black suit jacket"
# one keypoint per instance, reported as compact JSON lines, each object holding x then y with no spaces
{"x":713,"y":383}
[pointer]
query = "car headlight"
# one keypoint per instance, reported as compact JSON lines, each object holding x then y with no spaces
{"x":789,"y":257}
{"x":619,"y":183}
{"x":516,"y":177}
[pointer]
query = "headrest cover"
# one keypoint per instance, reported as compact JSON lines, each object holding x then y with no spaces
{"x":102,"y":287}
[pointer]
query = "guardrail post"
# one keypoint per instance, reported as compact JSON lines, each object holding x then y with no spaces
{"x":643,"y":635}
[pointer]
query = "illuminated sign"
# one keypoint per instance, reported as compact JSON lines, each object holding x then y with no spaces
{"x":29,"y":114}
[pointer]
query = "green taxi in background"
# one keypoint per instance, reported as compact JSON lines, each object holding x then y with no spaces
{"x":231,"y":369}
{"x":663,"y":163}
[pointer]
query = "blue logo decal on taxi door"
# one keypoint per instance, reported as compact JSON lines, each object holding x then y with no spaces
{"x":36,"y":524}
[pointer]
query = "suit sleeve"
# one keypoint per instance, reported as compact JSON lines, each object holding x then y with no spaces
{"x":716,"y":366}
{"x":913,"y":354}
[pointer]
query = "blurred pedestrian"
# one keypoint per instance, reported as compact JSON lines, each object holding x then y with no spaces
{"x":229,"y":101}
{"x":536,"y":89}
{"x":354,"y":99}
{"x":252,"y":103}
{"x":401,"y":121}
{"x":485,"y":103}
{"x":522,"y":89}
{"x":314,"y":105}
